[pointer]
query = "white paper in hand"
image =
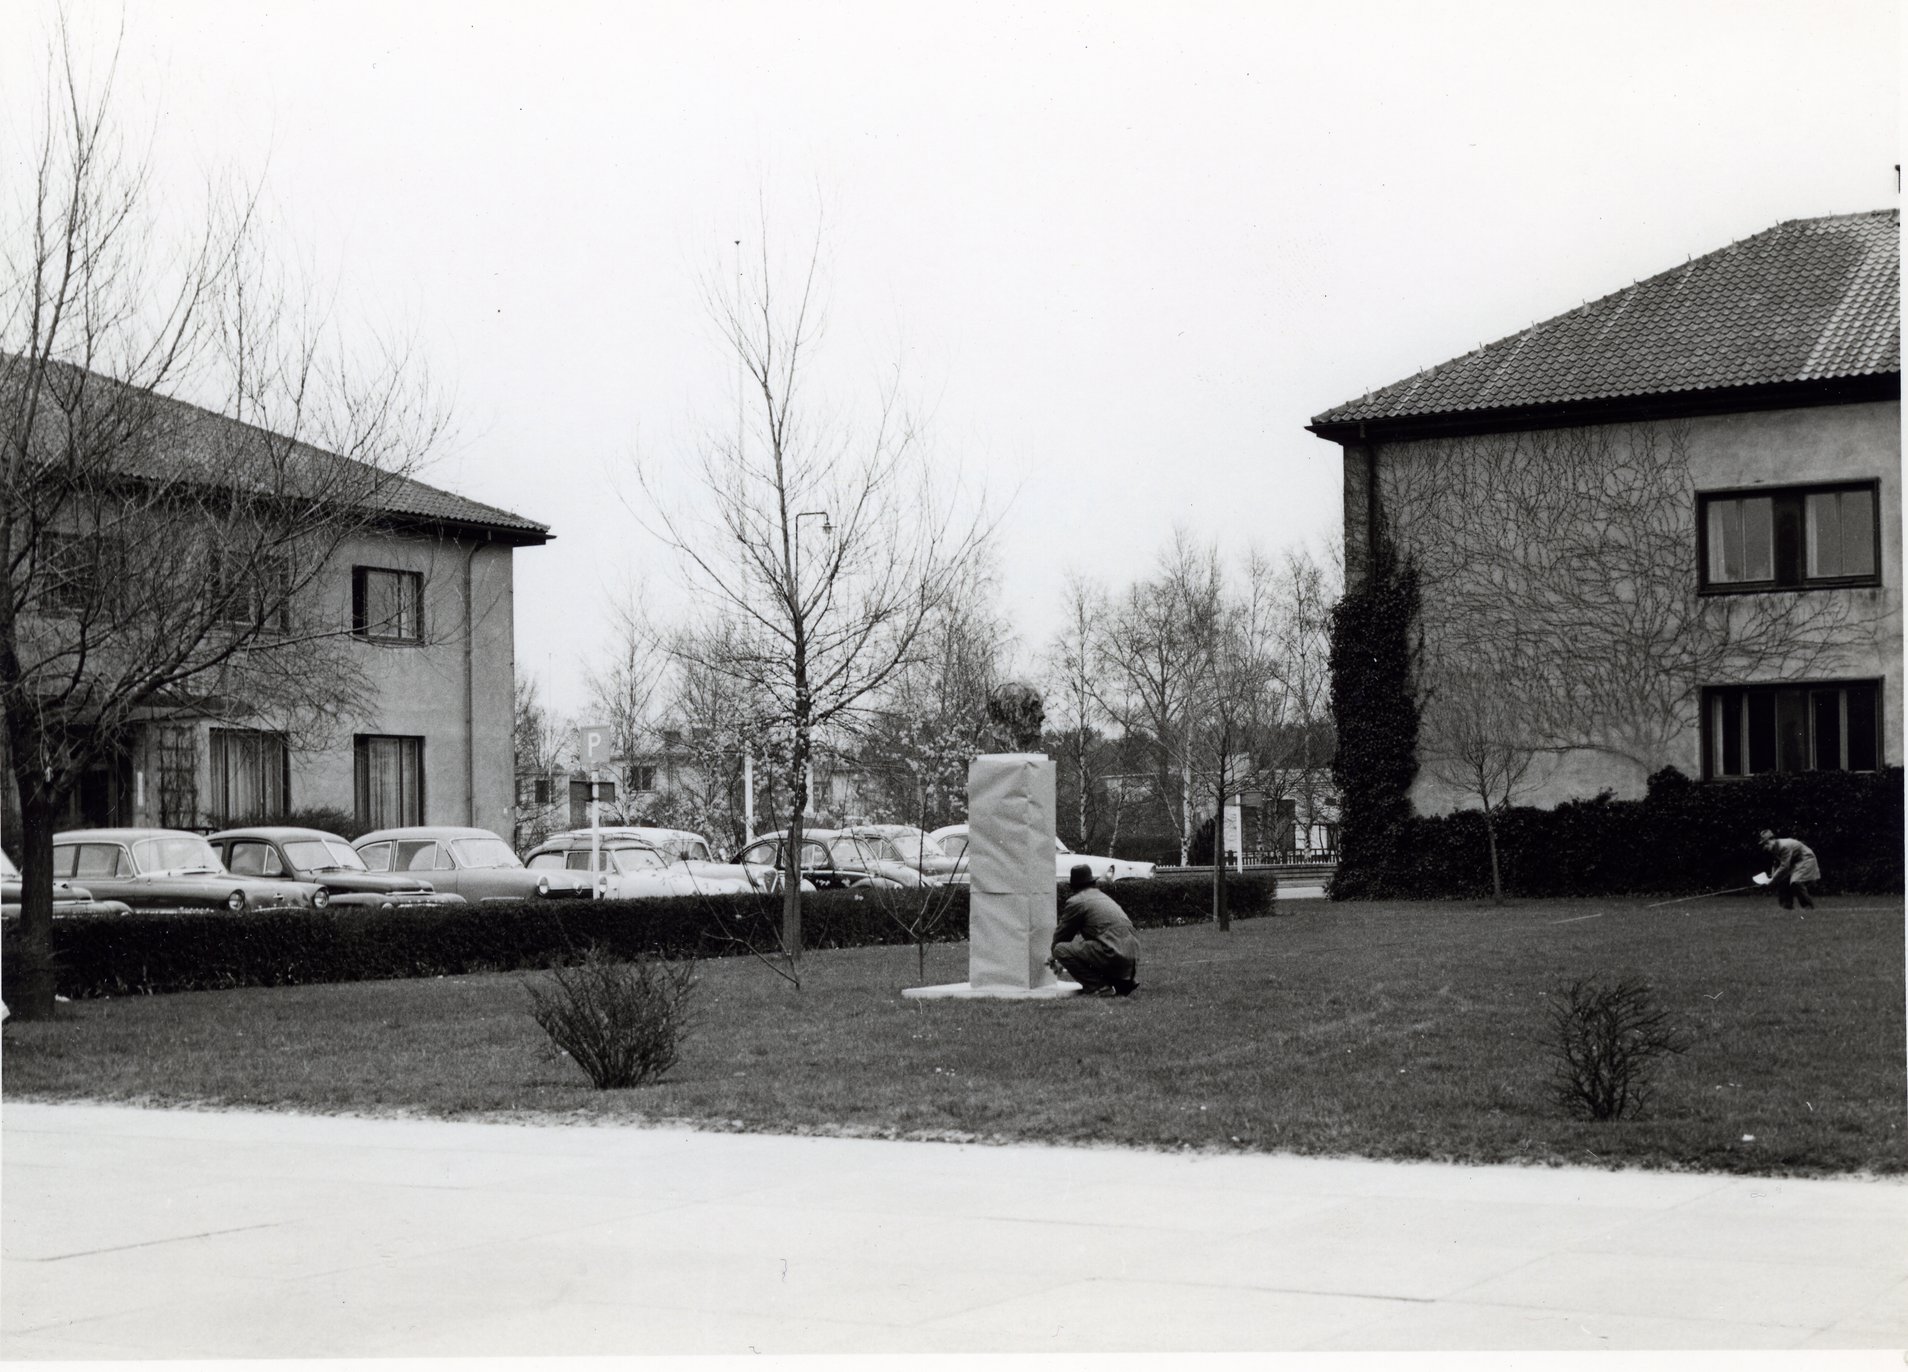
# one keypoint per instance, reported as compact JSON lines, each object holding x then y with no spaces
{"x":1760,"y":878}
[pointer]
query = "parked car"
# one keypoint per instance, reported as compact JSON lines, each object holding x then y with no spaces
{"x":914,"y":847}
{"x":280,"y":853}
{"x":627,"y":868}
{"x":868,"y":851}
{"x":953,"y":840}
{"x":160,"y":869}
{"x":822,"y":868}
{"x":687,"y":851}
{"x":68,"y":899}
{"x":472,"y":863}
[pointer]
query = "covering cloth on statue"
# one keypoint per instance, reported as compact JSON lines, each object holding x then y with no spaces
{"x":1010,"y":813}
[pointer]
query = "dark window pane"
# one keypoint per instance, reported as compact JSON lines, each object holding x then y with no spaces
{"x":1760,"y":707}
{"x":1827,"y":708}
{"x":1792,"y":731}
{"x":1864,"y":726}
{"x":390,"y":781}
{"x":1731,"y":702}
{"x":1787,"y":514}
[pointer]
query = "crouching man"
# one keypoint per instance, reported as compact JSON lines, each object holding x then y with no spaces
{"x":1094,"y":941}
{"x":1792,"y":869}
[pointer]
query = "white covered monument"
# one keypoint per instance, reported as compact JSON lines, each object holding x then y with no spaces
{"x":1011,"y":897}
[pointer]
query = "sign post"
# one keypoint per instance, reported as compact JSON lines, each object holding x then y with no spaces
{"x":593,"y":747}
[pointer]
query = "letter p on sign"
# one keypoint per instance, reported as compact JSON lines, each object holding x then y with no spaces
{"x":593,"y":744}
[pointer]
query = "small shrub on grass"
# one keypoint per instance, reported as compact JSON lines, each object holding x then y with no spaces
{"x":1607,"y":1039}
{"x":621,"y":1021}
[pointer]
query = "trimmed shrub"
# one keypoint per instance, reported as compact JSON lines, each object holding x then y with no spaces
{"x":142,"y":954}
{"x":621,"y":1020}
{"x":1375,"y":713}
{"x":1682,"y":837}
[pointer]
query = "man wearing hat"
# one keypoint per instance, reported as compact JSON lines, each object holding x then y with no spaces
{"x":1094,"y":941}
{"x":1792,"y":869}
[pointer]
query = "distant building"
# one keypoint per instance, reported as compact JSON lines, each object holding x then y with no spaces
{"x":1663,"y":528}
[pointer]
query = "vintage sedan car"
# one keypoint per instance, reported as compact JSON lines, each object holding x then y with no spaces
{"x":472,"y":863}
{"x":282,"y":853}
{"x":161,"y":869}
{"x":866,"y":851}
{"x":68,"y":899}
{"x":627,"y":868}
{"x":688,"y":849}
{"x":823,"y":868}
{"x":913,"y":846}
{"x":953,"y":840}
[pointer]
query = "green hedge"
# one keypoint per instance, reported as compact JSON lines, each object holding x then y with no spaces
{"x":1682,"y":837}
{"x":213,"y":950}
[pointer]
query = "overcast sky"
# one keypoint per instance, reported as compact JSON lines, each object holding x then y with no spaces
{"x":1124,"y":251}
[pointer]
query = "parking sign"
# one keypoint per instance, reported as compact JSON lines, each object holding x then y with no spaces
{"x":593,"y":744}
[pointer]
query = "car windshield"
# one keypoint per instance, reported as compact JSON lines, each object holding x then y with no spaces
{"x":323,"y":855}
{"x":483,"y":852}
{"x":851,"y":852}
{"x":915,"y":846}
{"x":176,"y":853}
{"x":633,"y":859}
{"x":1060,"y":847}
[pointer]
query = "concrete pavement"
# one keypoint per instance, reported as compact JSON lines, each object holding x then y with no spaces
{"x":140,"y":1233}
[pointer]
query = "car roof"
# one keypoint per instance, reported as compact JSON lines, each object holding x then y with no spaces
{"x":281,"y":832}
{"x":119,"y":835}
{"x":948,"y":829}
{"x":604,"y":836}
{"x":425,"y":831}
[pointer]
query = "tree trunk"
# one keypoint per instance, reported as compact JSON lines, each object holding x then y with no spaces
{"x":792,"y":858}
{"x":35,"y":982}
{"x":1220,"y":912}
{"x":1490,"y":833}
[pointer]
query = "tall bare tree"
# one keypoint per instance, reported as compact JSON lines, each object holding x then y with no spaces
{"x":166,"y":561}
{"x":823,"y":542}
{"x":1077,"y":721}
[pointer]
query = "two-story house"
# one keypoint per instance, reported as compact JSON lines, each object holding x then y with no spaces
{"x":414,"y":600}
{"x":1662,"y":529}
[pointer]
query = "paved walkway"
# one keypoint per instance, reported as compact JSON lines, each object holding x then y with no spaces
{"x":178,"y":1234}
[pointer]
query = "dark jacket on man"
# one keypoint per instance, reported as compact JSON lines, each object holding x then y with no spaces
{"x":1095,"y":942}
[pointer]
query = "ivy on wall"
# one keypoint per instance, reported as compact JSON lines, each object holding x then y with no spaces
{"x":1375,"y":711}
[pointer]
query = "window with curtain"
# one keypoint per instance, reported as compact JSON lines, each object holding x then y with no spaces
{"x":250,"y":776}
{"x":1791,"y":538}
{"x":1828,"y":726}
{"x":387,"y":604}
{"x":390,"y":780}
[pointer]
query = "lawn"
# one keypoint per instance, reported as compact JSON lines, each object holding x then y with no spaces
{"x":1414,"y":1030}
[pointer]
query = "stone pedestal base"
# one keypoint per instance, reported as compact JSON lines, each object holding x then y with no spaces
{"x":962,"y":990}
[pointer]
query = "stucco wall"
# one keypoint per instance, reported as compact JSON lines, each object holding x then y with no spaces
{"x":1768,"y":448}
{"x":453,"y":689}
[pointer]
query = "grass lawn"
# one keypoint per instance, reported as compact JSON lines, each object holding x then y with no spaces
{"x":1410,"y":1030}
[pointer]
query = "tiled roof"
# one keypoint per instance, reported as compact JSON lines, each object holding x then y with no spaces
{"x":195,"y":438}
{"x":1809,"y":300}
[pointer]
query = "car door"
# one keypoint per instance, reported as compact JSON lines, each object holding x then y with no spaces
{"x":253,"y":857}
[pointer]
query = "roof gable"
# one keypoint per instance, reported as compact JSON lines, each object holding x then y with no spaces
{"x":1808,"y":300}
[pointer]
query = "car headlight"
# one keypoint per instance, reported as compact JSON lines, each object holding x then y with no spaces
{"x":320,"y":898}
{"x":543,"y":886}
{"x":236,"y":901}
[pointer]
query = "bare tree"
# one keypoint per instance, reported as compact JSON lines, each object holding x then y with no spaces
{"x":165,"y":561}
{"x":1477,"y":740}
{"x":1155,"y":678}
{"x":540,"y":740}
{"x":823,"y":544}
{"x":1564,"y":560}
{"x":1078,"y":721}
